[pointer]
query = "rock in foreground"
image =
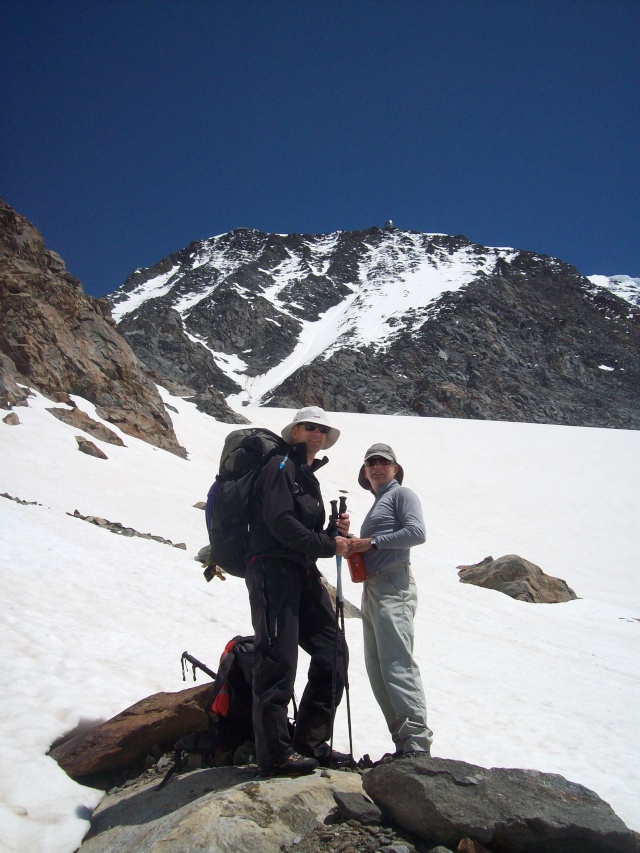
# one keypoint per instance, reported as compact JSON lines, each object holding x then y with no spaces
{"x":508,"y":810}
{"x":220,"y":810}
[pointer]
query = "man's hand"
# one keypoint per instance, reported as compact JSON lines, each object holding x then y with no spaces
{"x":343,"y":524}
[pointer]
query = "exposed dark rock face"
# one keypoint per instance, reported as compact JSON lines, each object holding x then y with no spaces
{"x":524,"y":345}
{"x":162,"y":344}
{"x":59,"y":341}
{"x":518,"y":336}
{"x":155,"y":332}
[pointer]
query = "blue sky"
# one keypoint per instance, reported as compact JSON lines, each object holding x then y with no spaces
{"x":129,"y":129}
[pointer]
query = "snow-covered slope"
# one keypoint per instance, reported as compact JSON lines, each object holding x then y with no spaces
{"x":92,"y":622}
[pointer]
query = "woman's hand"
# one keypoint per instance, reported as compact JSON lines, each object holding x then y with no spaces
{"x":359,"y":545}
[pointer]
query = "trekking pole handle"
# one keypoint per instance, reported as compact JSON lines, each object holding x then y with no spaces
{"x":332,"y":530}
{"x":343,"y":506}
{"x":195,"y":663}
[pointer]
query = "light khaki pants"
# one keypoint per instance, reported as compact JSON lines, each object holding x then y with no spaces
{"x":389,"y":603}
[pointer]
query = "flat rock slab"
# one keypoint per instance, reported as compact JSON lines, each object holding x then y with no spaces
{"x":159,"y":720}
{"x":220,"y":810}
{"x":509,"y":810}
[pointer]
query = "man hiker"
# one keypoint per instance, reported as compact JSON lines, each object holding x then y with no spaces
{"x":393,"y":525}
{"x":289,"y":605}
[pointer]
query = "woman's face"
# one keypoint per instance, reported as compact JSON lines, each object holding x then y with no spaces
{"x":379,"y":471}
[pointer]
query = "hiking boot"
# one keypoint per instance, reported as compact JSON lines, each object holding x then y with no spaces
{"x":416,"y":753}
{"x":387,"y":758}
{"x":335,"y":759}
{"x":293,"y":765}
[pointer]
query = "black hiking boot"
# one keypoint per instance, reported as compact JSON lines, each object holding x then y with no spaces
{"x":293,"y":765}
{"x":334,"y":759}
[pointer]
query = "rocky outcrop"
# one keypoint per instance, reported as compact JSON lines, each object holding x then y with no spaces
{"x":59,"y":341}
{"x":418,"y":804}
{"x":455,"y":805}
{"x":518,"y":578}
{"x":75,"y":417}
{"x":509,"y":811}
{"x":119,"y":528}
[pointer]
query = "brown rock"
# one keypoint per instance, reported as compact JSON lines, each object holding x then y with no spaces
{"x":518,"y":578}
{"x":60,"y":341}
{"x":11,"y":419}
{"x":159,"y":720}
{"x":80,"y":420}
{"x":11,"y":394}
{"x":468,"y":845}
{"x":88,"y":447}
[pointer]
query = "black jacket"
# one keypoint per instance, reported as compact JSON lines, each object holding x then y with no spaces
{"x":289,"y":513}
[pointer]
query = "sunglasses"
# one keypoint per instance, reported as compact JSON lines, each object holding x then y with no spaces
{"x":311,"y":427}
{"x":378,"y":460}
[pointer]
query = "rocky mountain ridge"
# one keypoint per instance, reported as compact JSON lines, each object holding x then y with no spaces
{"x":388,"y":321}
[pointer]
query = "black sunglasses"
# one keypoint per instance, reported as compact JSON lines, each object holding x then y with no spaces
{"x":311,"y":427}
{"x":378,"y":460}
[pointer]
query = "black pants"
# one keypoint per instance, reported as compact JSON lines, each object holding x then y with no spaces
{"x":290,"y":607}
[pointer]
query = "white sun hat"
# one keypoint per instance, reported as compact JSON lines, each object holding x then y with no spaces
{"x":312,"y":415}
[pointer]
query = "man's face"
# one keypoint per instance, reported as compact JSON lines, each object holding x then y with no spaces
{"x":312,"y":435}
{"x":379,"y":471}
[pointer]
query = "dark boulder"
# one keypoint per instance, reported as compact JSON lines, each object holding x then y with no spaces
{"x":507,"y":810}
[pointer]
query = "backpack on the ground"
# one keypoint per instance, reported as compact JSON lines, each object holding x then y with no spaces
{"x":229,"y":507}
{"x":229,"y":738}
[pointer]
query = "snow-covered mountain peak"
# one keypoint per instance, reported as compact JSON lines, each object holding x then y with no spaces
{"x":263,"y":309}
{"x":624,"y":286}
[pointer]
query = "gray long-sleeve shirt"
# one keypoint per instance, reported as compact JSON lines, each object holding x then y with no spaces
{"x":396,"y":524}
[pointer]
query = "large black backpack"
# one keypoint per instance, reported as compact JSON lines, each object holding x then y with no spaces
{"x":229,"y":508}
{"x":231,"y":726}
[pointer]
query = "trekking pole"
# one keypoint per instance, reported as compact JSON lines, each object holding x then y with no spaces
{"x":343,"y":511}
{"x":340,"y":630}
{"x":334,"y":674}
